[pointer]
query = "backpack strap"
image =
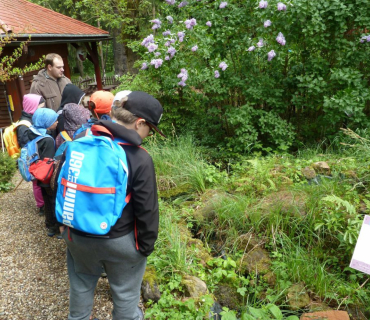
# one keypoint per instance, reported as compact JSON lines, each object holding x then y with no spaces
{"x":65,"y":136}
{"x":22,"y":123}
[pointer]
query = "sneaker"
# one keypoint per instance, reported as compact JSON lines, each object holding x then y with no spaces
{"x":51,"y":231}
{"x":42,"y":211}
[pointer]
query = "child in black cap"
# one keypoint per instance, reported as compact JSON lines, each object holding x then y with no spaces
{"x":124,"y":250}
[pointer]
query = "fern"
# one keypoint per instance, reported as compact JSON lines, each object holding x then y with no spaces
{"x":340,"y":203}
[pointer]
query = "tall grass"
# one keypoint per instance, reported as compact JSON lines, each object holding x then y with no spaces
{"x":179,"y":164}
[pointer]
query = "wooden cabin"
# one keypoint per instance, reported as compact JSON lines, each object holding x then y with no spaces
{"x":50,"y":32}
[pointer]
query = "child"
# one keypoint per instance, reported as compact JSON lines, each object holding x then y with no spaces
{"x":124,"y":249}
{"x":46,"y":119}
{"x":71,"y":94}
{"x":74,"y":116}
{"x":31,"y":102}
{"x":100,"y":105}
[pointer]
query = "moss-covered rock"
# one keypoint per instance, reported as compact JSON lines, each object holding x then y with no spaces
{"x":257,"y":261}
{"x":287,"y":202}
{"x":149,"y":285}
{"x":297,"y":297}
{"x":206,"y":212}
{"x":175,"y":191}
{"x":227,"y":296}
{"x":194,"y":287}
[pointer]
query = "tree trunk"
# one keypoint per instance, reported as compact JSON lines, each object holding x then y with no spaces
{"x":119,"y":52}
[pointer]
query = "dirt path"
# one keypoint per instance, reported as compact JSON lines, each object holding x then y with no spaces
{"x":33,"y":274}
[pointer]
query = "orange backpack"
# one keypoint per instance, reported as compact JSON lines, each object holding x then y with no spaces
{"x":10,"y":138}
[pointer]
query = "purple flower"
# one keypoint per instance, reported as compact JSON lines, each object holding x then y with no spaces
{"x":166,"y":33}
{"x":156,"y":63}
{"x":267,"y":23}
{"x":223,"y":5}
{"x":172,"y":2}
{"x":183,"y":75}
{"x":223,"y":65}
{"x":195,"y":48}
{"x":271,"y":55}
{"x":171,"y":51}
{"x":365,"y":38}
{"x":167,"y":44}
{"x":172,"y":40}
{"x":281,"y":6}
{"x":190,"y":23}
{"x":169,"y":19}
{"x":217,"y":74}
{"x":144,"y":66}
{"x":157,"y":23}
{"x":157,"y":54}
{"x":209,"y":23}
{"x":167,"y":58}
{"x":280,"y":39}
{"x":260,"y":43}
{"x":182,"y":4}
{"x":152,"y":47}
{"x":252,"y":48}
{"x":263,"y":4}
{"x":149,"y":39}
{"x":181,"y":36}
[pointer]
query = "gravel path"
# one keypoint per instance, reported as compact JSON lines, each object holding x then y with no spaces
{"x":33,"y":273}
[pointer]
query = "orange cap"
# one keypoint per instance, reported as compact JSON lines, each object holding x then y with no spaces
{"x":103,"y":101}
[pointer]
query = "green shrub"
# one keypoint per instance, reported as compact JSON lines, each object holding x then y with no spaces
{"x":315,"y":81}
{"x":7,"y":170}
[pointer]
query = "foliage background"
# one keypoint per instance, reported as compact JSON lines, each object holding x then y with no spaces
{"x":317,"y":82}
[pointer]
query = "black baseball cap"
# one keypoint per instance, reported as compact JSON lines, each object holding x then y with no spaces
{"x":143,"y":105}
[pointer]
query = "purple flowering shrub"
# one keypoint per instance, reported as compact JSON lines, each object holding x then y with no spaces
{"x":278,"y":57}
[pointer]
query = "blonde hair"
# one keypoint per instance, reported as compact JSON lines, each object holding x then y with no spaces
{"x":120,"y":113}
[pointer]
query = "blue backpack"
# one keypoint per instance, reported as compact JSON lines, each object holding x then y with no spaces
{"x":92,"y":183}
{"x":64,"y":145}
{"x":29,"y":154}
{"x":85,"y":126}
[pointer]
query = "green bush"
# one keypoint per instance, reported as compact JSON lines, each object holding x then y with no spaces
{"x":7,"y":170}
{"x":308,"y":90}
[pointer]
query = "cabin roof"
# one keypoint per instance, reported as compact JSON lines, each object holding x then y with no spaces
{"x":44,"y":25}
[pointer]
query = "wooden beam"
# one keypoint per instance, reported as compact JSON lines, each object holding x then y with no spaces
{"x":95,"y":56}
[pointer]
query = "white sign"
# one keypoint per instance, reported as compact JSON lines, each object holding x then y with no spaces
{"x":361,"y":256}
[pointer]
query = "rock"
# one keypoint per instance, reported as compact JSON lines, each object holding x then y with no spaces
{"x":298,"y":297}
{"x":270,"y":279}
{"x":256,"y":260}
{"x":194,"y":287}
{"x":227,"y":296}
{"x":149,"y":285}
{"x":309,"y":173}
{"x":247,"y":242}
{"x":326,"y":315}
{"x":317,"y":306}
{"x":321,"y":167}
{"x":207,"y":212}
{"x":288,"y":202}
